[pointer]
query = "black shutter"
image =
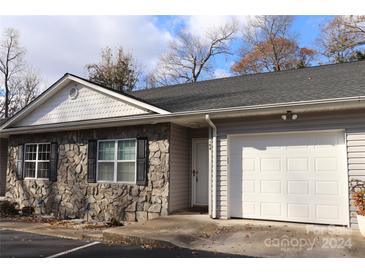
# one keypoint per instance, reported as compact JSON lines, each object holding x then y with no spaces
{"x":91,"y":161}
{"x":20,"y":163}
{"x":53,"y":162}
{"x":142,"y":158}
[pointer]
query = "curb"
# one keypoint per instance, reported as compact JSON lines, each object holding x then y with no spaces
{"x":137,"y":240}
{"x":81,"y":236}
{"x":154,"y":243}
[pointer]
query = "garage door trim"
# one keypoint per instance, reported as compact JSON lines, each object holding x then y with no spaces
{"x":343,"y":131}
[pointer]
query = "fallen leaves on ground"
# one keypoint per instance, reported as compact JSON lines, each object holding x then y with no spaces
{"x":79,"y":224}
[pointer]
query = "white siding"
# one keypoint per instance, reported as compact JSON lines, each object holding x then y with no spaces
{"x":222,"y":189}
{"x":180,"y":147}
{"x":352,"y":123}
{"x":89,"y":104}
{"x":356,"y":162}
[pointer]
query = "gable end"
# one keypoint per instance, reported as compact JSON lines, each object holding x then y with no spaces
{"x":76,"y":102}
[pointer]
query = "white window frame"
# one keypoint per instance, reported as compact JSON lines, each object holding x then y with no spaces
{"x":36,"y":161}
{"x":116,"y":161}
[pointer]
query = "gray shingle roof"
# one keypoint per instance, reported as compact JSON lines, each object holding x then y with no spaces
{"x":2,"y":121}
{"x":321,"y":82}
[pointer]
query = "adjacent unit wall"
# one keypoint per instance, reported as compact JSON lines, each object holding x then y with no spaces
{"x":180,"y":155}
{"x":352,"y":122}
{"x":3,"y":163}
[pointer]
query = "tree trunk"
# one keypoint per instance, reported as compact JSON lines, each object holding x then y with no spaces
{"x":6,"y":114}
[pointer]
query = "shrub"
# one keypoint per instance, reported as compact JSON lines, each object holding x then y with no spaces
{"x":358,"y":197}
{"x":7,"y":209}
{"x":27,"y":211}
{"x":115,"y":222}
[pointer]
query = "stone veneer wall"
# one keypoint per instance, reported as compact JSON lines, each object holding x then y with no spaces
{"x":73,"y":196}
{"x":3,"y":161}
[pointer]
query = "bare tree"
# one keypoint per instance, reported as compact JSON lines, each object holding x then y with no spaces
{"x":342,"y":39}
{"x":117,"y":71}
{"x":355,"y":26}
{"x":23,"y":89}
{"x":26,"y":91}
{"x":189,"y":56}
{"x":11,"y":62}
{"x":270,"y":46}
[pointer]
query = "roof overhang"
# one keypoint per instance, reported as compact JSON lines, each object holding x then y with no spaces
{"x":67,"y":79}
{"x":197,"y":118}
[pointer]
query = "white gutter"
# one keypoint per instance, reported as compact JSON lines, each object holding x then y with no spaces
{"x":213,"y":165}
{"x":268,"y":109}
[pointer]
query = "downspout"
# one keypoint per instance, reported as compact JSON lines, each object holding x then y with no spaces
{"x":213,"y":164}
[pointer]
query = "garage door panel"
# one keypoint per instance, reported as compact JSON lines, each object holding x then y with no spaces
{"x":298,"y":211}
{"x":298,"y":187}
{"x":327,"y":188}
{"x":249,"y":208}
{"x":328,"y":212}
{"x":326,"y":164}
{"x":271,"y":186}
{"x":249,"y":186}
{"x":297,"y":164}
{"x":271,"y":209}
{"x":249,"y":164}
{"x":270,"y":164}
{"x":292,"y":177}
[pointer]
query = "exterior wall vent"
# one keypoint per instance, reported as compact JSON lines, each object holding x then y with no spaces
{"x":74,"y":92}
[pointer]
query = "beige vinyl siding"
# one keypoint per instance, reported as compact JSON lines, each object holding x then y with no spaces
{"x":180,"y":147}
{"x":353,"y":123}
{"x":356,"y":163}
{"x":222,"y":165}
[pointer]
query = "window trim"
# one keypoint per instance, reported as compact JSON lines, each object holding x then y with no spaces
{"x":36,"y":161}
{"x":116,"y":161}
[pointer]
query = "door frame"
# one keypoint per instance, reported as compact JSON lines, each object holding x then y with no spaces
{"x":195,"y":141}
{"x":338,"y":130}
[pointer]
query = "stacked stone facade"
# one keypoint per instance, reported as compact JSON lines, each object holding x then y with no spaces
{"x":72,"y":195}
{"x":3,"y":161}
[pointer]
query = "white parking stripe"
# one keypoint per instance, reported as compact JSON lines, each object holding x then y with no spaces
{"x":73,"y":250}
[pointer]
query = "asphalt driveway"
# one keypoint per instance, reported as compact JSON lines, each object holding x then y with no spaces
{"x":15,"y":244}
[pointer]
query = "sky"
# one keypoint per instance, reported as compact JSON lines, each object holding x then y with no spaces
{"x":59,"y":44}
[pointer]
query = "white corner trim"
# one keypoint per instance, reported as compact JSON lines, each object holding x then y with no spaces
{"x":63,"y":82}
{"x":213,"y":164}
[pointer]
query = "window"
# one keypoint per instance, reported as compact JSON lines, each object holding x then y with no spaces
{"x":117,"y":160}
{"x":37,"y":161}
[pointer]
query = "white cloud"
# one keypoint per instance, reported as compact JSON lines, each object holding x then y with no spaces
{"x":221,"y":73}
{"x":59,"y":44}
{"x":201,"y":24}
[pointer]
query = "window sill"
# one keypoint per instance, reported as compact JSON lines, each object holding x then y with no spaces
{"x":114,"y":183}
{"x":40,"y":180}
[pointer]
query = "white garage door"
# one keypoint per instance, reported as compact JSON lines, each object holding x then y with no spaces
{"x":297,"y":177}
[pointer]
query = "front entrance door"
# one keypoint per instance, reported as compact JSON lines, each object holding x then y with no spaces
{"x":200,"y":171}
